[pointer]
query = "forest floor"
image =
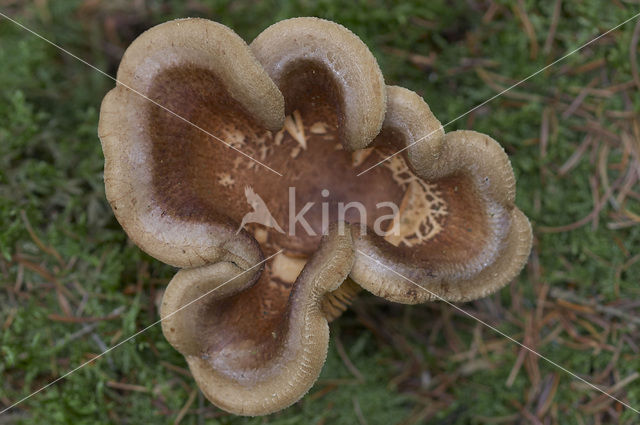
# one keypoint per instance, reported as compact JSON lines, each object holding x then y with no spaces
{"x":72,"y":284}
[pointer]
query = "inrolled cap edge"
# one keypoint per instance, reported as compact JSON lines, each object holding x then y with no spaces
{"x":344,"y":55}
{"x":128,"y":174}
{"x":304,"y":350}
{"x":210,"y":45}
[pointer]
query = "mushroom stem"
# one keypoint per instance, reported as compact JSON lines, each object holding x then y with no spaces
{"x":336,"y":302}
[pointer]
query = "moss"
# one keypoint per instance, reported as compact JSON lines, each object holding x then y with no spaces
{"x":50,"y":178}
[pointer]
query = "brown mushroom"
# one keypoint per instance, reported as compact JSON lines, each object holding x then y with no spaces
{"x":460,"y":234}
{"x":208,"y":142}
{"x":248,"y":354}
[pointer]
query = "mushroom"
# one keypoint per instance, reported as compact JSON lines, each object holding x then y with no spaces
{"x":220,"y":156}
{"x":460,"y":234}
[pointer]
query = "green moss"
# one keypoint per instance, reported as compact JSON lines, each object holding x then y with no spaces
{"x":51,"y":177}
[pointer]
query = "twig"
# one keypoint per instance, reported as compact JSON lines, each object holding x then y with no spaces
{"x":37,"y":241}
{"x":182,"y":371}
{"x":547,"y":395}
{"x":73,"y":319}
{"x":347,"y":362}
{"x":86,"y":329}
{"x":358,"y":411}
{"x":579,"y":99}
{"x":516,"y":368}
{"x":548,"y":43}
{"x":186,"y":407}
{"x":78,"y":334}
{"x":633,"y":53}
{"x":602,"y":399}
{"x":612,"y":311}
{"x":575,"y":157}
{"x":127,"y":387}
{"x":544,"y":132}
{"x":520,"y":10}
{"x":577,"y":224}
{"x":103,"y":347}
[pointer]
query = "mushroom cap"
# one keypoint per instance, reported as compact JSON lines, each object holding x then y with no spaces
{"x":133,"y":165}
{"x":192,"y":134}
{"x":359,"y":82}
{"x":481,"y":243}
{"x":247,"y":372}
